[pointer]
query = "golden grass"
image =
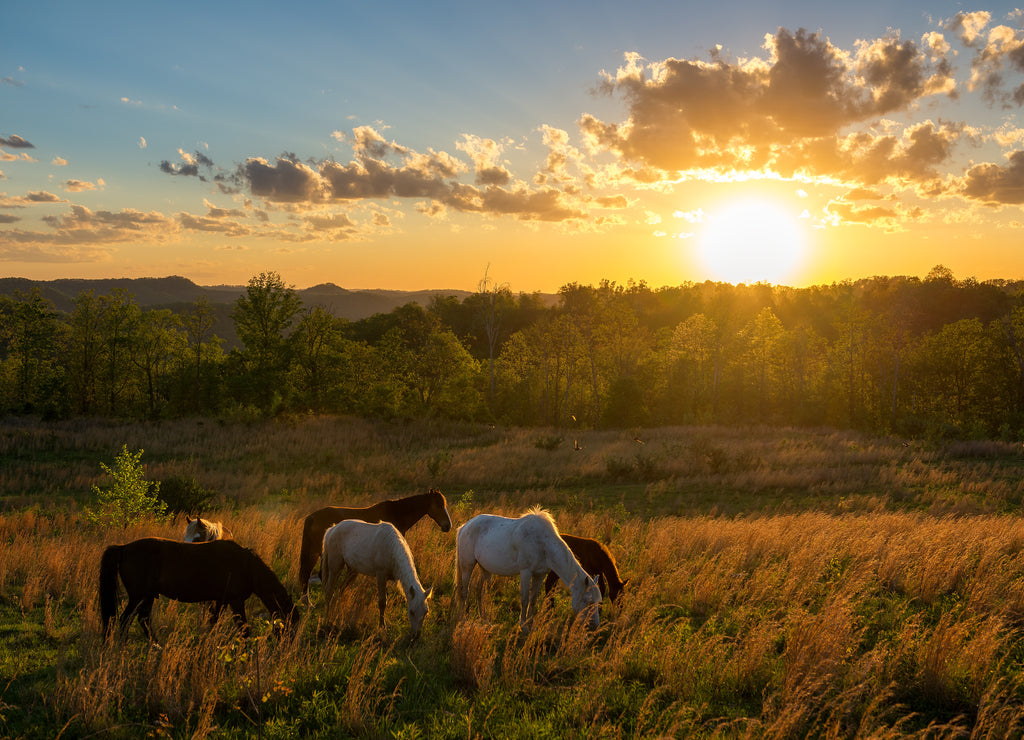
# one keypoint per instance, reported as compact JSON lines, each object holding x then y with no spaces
{"x":841,"y":621}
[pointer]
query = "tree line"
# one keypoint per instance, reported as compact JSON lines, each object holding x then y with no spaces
{"x":935,"y":356}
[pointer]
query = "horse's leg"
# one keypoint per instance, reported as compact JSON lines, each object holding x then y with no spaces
{"x":550,"y":582}
{"x":481,"y":586}
{"x":463,"y":575}
{"x":145,"y":608}
{"x":238,"y":607}
{"x":215,"y":608}
{"x":131,"y":611}
{"x":333,"y":588}
{"x":312,"y":544}
{"x":525,"y":601}
{"x":382,"y":597}
{"x":536,"y":585}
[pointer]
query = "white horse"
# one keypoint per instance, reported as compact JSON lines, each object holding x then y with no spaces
{"x":203,"y":530}
{"x":529,"y":547}
{"x":353,"y":546}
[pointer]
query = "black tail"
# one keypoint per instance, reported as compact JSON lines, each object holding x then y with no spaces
{"x":109,"y":566}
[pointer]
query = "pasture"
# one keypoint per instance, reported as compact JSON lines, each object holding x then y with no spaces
{"x":783,"y":583}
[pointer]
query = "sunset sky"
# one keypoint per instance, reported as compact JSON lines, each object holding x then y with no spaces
{"x":539,"y":143}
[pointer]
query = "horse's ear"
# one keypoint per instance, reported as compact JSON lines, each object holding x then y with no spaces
{"x":188,"y":519}
{"x":429,"y":593}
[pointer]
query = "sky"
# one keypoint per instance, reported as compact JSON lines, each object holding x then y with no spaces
{"x":439,"y":145}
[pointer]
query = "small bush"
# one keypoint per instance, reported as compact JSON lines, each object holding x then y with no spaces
{"x":185,"y":496}
{"x":130,"y":498}
{"x":548,"y":442}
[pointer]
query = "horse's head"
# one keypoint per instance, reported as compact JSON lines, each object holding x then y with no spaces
{"x":586,"y":601}
{"x":418,"y":608}
{"x":615,"y":589}
{"x":438,"y":510}
{"x":195,"y":529}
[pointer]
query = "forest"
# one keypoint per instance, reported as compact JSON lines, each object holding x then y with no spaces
{"x":937,"y":357}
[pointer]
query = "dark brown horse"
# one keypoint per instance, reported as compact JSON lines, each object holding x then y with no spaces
{"x":221,"y":571}
{"x":402,"y":512}
{"x":597,"y":560}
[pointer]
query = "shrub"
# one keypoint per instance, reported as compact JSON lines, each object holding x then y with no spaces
{"x":184,"y":495}
{"x":130,"y":498}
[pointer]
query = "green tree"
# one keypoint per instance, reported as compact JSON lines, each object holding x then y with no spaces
{"x":119,"y":318}
{"x":493,"y":302}
{"x":264,"y":319}
{"x":203,"y":349}
{"x":85,"y":349}
{"x":129,"y":498}
{"x":31,"y":337}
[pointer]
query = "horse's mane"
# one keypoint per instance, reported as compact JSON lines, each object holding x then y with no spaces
{"x":538,"y":510}
{"x":401,"y":556}
{"x":428,"y":494}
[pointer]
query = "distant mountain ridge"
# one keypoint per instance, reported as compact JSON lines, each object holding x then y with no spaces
{"x":175,"y":290}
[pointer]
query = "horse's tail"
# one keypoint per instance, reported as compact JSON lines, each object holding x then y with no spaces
{"x":110,"y":565}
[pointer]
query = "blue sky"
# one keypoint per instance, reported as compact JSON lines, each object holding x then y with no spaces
{"x":422,"y":145}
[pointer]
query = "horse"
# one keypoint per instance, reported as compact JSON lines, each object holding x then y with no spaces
{"x":529,"y":547}
{"x":353,"y":546}
{"x":221,"y":571}
{"x":203,"y":530}
{"x":402,"y":512}
{"x":598,"y":561}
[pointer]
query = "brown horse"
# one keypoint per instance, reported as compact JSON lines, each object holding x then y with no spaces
{"x":402,"y":512}
{"x":221,"y":571}
{"x":597,"y":560}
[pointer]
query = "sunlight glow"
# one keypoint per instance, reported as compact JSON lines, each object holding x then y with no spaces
{"x":751,"y":241}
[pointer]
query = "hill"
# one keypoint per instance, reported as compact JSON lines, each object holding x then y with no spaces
{"x":173,"y":292}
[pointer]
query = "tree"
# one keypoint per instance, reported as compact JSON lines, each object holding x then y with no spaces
{"x":30,"y":343}
{"x":119,"y":317}
{"x":318,"y":342}
{"x":494,"y":302}
{"x":264,"y":318}
{"x":84,"y":350}
{"x":157,"y":342}
{"x":129,"y":498}
{"x":198,"y":325}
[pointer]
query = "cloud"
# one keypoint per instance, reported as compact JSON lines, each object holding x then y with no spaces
{"x":722,"y":115}
{"x":30,"y":199}
{"x":83,"y":235}
{"x":16,"y":142}
{"x":142,"y":142}
{"x":485,"y":155}
{"x":968,"y":25}
{"x":189,"y":166}
{"x":59,"y":162}
{"x":995,"y":184}
{"x":79,"y":186}
{"x":11,"y":81}
{"x":1003,"y":48}
{"x":6,"y":218}
{"x":382,"y":169}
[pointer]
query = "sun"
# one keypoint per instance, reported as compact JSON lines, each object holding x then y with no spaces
{"x":750,"y":241}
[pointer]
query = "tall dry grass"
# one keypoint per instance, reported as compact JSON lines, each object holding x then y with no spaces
{"x":848,"y":619}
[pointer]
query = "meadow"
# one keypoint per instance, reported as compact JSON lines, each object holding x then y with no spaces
{"x":783,"y":583}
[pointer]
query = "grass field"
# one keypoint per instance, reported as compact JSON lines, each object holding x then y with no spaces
{"x":784,"y":583}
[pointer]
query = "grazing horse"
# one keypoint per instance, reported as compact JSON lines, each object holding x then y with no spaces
{"x":221,"y":571}
{"x":352,"y":547}
{"x":203,"y":530}
{"x":529,"y":547}
{"x":597,"y":560}
{"x":402,"y":512}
